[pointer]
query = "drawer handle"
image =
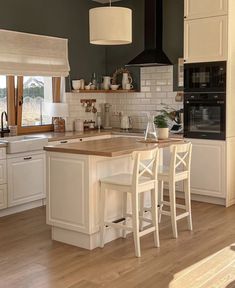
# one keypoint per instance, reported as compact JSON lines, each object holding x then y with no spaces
{"x":27,"y":158}
{"x":63,"y":142}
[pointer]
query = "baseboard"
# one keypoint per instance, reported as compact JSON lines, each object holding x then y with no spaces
{"x":23,"y":207}
{"x":82,"y":240}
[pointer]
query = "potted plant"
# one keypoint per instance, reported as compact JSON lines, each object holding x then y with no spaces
{"x":162,"y":126}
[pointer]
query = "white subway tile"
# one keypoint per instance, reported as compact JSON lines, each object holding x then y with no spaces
{"x":145,"y":89}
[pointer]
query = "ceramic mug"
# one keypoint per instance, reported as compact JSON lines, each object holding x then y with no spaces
{"x":128,"y":86}
{"x":76,"y":84}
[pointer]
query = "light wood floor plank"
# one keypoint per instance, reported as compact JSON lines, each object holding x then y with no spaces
{"x":29,"y":259}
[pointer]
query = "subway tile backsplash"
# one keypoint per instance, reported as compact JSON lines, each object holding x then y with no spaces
{"x":156,"y":90}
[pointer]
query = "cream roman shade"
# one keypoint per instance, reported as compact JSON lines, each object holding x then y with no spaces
{"x":33,"y":55}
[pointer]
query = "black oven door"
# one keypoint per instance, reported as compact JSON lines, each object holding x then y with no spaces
{"x":204,"y":119}
{"x":205,"y":77}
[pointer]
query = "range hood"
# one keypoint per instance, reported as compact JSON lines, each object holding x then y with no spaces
{"x":153,"y":54}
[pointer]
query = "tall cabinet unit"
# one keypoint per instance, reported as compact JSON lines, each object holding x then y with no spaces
{"x":205,"y":30}
{"x":209,"y":36}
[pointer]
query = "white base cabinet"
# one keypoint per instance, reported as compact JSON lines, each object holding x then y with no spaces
{"x":212,"y":163}
{"x":26,"y":178}
{"x":208,"y":176}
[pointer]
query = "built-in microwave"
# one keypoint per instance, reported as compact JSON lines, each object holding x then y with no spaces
{"x":205,"y":77}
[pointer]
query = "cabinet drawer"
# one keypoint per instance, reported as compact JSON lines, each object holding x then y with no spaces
{"x":205,"y":39}
{"x":205,"y":8}
{"x":3,"y":196}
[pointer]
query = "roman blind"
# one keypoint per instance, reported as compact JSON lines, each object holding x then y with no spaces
{"x":24,"y":54}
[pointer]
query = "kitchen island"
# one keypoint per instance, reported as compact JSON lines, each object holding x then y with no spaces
{"x":73,"y":174}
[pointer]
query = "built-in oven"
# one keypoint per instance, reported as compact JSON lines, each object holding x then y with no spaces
{"x":205,"y":77}
{"x":204,"y":115}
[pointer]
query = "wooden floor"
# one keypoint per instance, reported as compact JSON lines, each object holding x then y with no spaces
{"x":29,"y":259}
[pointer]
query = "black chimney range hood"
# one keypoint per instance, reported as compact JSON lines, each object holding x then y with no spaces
{"x":153,"y":54}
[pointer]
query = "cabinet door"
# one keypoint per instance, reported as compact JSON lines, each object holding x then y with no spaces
{"x":3,"y":172}
{"x":204,"y":8}
{"x":205,"y":39}
{"x":3,"y":196}
{"x":208,"y":168}
{"x":26,"y":179}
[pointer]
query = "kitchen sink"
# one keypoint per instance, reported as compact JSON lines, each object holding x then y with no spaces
{"x":18,"y":144}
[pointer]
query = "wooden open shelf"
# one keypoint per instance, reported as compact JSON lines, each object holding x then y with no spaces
{"x":104,"y":91}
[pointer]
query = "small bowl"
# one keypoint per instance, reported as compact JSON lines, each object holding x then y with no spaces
{"x":114,"y":87}
{"x":87,"y":87}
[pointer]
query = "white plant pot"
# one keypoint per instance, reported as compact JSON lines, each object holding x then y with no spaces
{"x":163,"y":133}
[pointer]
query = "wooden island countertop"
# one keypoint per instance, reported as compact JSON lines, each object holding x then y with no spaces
{"x":110,"y":147}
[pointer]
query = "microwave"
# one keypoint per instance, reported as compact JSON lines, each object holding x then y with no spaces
{"x":205,"y":77}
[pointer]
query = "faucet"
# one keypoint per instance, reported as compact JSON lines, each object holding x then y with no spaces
{"x":4,"y":130}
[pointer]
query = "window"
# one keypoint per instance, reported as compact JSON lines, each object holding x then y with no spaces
{"x":3,"y":94}
{"x":36,"y":91}
{"x":23,"y":99}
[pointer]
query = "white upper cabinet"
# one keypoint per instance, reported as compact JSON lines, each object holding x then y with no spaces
{"x":204,"y":8}
{"x":205,"y":39}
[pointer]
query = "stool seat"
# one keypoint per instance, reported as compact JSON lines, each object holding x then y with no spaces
{"x":123,"y":180}
{"x":164,"y":174}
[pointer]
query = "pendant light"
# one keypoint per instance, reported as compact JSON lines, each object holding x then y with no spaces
{"x":110,"y":25}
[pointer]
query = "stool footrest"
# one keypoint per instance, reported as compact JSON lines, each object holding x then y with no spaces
{"x":183,"y":215}
{"x":147,"y":231}
{"x":180,"y":206}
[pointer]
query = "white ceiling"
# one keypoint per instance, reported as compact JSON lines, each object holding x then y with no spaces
{"x":105,"y":1}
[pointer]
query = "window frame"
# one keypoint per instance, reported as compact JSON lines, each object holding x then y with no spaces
{"x":14,"y":104}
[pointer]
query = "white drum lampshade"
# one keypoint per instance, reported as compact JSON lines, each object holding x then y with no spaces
{"x":110,"y":25}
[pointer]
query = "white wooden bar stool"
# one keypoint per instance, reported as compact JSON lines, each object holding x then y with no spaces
{"x":179,"y":170}
{"x":145,"y":162}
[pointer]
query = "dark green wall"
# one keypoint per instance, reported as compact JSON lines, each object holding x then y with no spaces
{"x":173,"y":18}
{"x":61,"y":18}
{"x":69,"y":19}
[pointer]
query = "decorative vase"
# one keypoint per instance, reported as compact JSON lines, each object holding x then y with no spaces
{"x":106,"y":82}
{"x":163,"y":133}
{"x":126,"y":80}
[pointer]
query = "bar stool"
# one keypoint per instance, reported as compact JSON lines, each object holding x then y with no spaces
{"x":145,"y":162}
{"x":179,"y":170}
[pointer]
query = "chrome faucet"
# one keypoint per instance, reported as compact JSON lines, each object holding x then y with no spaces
{"x":4,"y":130}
